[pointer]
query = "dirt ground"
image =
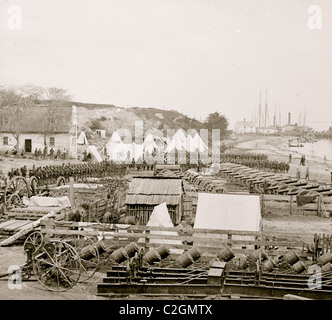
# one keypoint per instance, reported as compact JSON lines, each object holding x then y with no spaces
{"x":276,"y":149}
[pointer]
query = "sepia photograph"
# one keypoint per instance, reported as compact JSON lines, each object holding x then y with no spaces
{"x":166,"y":156}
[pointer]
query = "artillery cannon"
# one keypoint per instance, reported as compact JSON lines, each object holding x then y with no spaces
{"x":58,"y":264}
{"x":13,"y":191}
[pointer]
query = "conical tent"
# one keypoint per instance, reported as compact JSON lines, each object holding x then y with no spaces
{"x":181,"y":135}
{"x":190,"y":144}
{"x":175,"y":144}
{"x":149,"y":145}
{"x":199,"y":143}
{"x":115,"y":147}
{"x":115,"y":137}
{"x":160,"y":218}
{"x":92,"y":150}
{"x":82,"y":139}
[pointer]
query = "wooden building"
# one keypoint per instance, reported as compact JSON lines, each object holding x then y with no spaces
{"x":147,"y":192}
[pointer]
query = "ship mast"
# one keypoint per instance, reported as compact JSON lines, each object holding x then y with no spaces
{"x":265,"y":108}
{"x":260,"y":109}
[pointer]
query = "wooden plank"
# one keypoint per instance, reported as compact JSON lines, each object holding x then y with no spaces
{"x":136,"y":228}
{"x":206,"y":241}
{"x":6,"y":224}
{"x":17,"y":224}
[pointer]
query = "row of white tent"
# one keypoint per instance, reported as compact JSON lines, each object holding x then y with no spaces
{"x":117,"y":150}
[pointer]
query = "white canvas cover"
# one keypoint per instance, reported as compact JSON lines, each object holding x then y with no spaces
{"x":228,"y":212}
{"x":160,"y":218}
{"x":36,"y":201}
{"x":94,"y":153}
{"x":82,"y":139}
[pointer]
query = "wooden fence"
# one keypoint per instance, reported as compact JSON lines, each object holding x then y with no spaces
{"x":209,"y":241}
{"x":287,"y":204}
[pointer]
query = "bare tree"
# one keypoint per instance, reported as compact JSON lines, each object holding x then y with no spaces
{"x":55,"y":98}
{"x":14,"y":103}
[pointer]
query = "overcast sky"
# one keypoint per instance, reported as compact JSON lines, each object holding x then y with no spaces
{"x":195,"y":56}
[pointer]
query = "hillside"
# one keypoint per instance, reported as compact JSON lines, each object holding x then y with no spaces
{"x":111,"y":118}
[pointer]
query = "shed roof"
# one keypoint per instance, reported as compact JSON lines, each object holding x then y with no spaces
{"x":154,"y":191}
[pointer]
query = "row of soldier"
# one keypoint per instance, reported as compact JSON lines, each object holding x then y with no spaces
{"x":227,"y":157}
{"x":44,"y":154}
{"x":47,"y":175}
{"x":256,"y":161}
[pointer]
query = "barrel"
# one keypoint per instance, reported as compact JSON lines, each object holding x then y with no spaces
{"x":131,"y":249}
{"x":119,"y":255}
{"x":101,"y":246}
{"x":88,"y":252}
{"x":242,"y":263}
{"x":268,"y":265}
{"x":152,"y":256}
{"x":291,"y":257}
{"x":258,"y":253}
{"x":226,"y":254}
{"x":325,"y":258}
{"x":298,"y":267}
{"x":195,"y":253}
{"x":163,"y":251}
{"x":184,"y":260}
{"x":327,"y":267}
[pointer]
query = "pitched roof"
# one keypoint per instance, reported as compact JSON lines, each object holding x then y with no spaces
{"x":35,"y":119}
{"x":154,"y":191}
{"x":246,"y":124}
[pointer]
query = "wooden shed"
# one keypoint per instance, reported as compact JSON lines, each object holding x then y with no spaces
{"x":147,"y":192}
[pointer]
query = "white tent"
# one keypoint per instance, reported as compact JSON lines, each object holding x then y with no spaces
{"x":176,"y":144}
{"x":181,"y":135}
{"x":115,"y":137}
{"x":115,"y":148}
{"x":228,"y":212}
{"x":135,"y":151}
{"x":190,"y":144}
{"x":199,"y":143}
{"x":149,"y":145}
{"x":160,"y":218}
{"x":92,"y":150}
{"x":82,"y":139}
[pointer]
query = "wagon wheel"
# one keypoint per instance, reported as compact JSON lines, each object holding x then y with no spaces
{"x":57,"y":266}
{"x":18,"y":186}
{"x":88,"y":253}
{"x":36,"y":238}
{"x":33,"y":182}
{"x":13,"y":200}
{"x":60,"y":181}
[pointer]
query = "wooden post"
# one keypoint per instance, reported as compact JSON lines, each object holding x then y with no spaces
{"x":263,"y":205}
{"x":71,"y":191}
{"x":147,"y":239}
{"x":291,"y":205}
{"x":319,"y":206}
